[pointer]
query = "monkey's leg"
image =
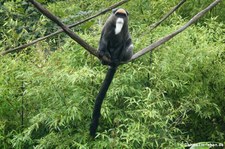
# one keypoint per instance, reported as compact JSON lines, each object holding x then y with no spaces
{"x":99,"y":99}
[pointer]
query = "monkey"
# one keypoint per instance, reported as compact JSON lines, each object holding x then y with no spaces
{"x":116,"y":44}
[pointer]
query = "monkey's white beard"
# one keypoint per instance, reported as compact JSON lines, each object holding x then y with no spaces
{"x":119,"y":25}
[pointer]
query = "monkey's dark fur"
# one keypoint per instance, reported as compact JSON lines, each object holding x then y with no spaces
{"x":115,"y":43}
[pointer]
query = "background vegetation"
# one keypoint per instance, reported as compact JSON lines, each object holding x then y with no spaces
{"x":170,"y":99}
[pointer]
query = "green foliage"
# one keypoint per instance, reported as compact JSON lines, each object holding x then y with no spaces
{"x":169,"y":100}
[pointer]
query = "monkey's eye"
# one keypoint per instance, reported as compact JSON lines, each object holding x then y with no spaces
{"x":122,"y":15}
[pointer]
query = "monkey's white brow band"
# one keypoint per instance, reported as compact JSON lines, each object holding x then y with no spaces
{"x":119,"y":25}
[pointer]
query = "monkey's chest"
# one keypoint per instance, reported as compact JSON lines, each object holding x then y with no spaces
{"x":115,"y":46}
{"x":116,"y":41}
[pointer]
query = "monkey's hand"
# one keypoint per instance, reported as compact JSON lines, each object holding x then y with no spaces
{"x":107,"y":55}
{"x":101,"y":53}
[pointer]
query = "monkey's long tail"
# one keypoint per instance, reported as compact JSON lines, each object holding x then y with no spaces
{"x":99,"y":99}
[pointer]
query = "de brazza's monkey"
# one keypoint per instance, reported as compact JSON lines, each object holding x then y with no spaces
{"x":115,"y":43}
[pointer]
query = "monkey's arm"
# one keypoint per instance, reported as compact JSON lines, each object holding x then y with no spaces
{"x":128,"y":50}
{"x":103,"y":44}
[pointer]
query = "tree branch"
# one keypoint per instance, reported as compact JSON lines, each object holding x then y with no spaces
{"x":20,"y":48}
{"x":154,"y":25}
{"x":170,"y":36}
